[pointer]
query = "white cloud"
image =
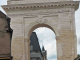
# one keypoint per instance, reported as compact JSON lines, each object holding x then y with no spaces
{"x":51,"y":48}
{"x":52,"y":59}
{"x":77,"y":20}
{"x":3,"y":2}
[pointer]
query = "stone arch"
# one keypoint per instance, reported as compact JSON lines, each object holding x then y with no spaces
{"x":33,"y":25}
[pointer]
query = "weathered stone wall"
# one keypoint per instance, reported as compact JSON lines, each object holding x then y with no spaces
{"x":5,"y":47}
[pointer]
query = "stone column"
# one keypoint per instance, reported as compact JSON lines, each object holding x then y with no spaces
{"x":66,"y":36}
{"x":59,"y":48}
{"x":75,"y":45}
{"x":27,"y":48}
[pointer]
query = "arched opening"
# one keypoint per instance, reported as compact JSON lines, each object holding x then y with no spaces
{"x":46,"y":38}
{"x":41,"y":25}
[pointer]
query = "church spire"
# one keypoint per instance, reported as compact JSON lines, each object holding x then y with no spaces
{"x":43,"y":48}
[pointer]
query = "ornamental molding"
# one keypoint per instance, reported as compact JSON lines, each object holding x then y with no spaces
{"x":26,"y":40}
{"x":73,"y":4}
{"x":57,"y":37}
{"x":41,"y":19}
{"x":44,"y":13}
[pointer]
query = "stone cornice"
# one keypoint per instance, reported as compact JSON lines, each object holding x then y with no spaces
{"x":74,"y":4}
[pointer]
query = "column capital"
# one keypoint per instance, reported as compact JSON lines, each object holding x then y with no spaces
{"x":26,"y":40}
{"x":75,"y":37}
{"x":57,"y":37}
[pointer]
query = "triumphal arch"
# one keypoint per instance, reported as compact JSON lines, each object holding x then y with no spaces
{"x":58,"y":15}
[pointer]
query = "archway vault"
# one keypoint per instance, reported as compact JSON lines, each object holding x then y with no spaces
{"x":32,"y":26}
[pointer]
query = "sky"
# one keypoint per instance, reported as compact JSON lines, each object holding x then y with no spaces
{"x":47,"y":37}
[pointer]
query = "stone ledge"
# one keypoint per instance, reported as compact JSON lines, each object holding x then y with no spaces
{"x":74,"y":4}
{"x":32,"y":1}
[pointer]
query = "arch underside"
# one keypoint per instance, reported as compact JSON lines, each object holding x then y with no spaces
{"x":39,"y":25}
{"x":32,"y":26}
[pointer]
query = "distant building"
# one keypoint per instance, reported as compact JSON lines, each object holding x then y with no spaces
{"x":44,"y":53}
{"x":5,"y":37}
{"x":35,"y":52}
